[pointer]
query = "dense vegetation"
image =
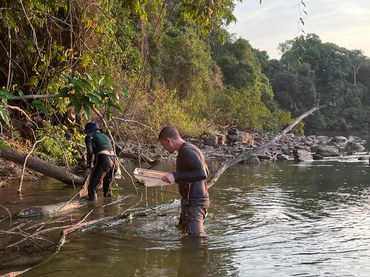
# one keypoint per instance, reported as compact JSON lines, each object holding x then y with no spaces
{"x":312,"y":73}
{"x":138,"y":65}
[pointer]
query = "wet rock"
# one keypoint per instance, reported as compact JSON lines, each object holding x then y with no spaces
{"x":327,"y":151}
{"x":317,"y":157}
{"x":340,"y":139}
{"x":354,"y":146}
{"x":237,"y":136}
{"x":287,"y":151}
{"x":301,"y":155}
{"x":322,"y":140}
{"x":282,"y":157}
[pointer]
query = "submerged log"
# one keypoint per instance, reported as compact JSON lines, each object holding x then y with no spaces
{"x":49,"y":210}
{"x":46,"y":168}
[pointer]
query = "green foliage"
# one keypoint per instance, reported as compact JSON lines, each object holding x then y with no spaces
{"x":179,"y":63}
{"x":5,"y":95}
{"x":3,"y":144}
{"x":248,"y":98}
{"x":244,"y":109}
{"x":84,"y":93}
{"x":165,"y":108}
{"x":186,"y":66}
{"x":58,"y":145}
{"x":315,"y":73}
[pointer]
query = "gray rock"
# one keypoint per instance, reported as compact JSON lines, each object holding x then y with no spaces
{"x":301,"y":155}
{"x":340,"y":139}
{"x":327,"y":151}
{"x":317,"y":157}
{"x":354,"y":146}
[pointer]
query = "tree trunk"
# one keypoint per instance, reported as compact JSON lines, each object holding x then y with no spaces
{"x":46,"y":168}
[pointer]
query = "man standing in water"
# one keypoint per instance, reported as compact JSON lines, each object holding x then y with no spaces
{"x":190,"y":175}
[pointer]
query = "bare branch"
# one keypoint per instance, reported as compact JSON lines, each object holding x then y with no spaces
{"x":10,"y":216}
{"x":25,"y":162}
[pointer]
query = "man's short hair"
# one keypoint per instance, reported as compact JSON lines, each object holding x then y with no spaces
{"x":168,"y":132}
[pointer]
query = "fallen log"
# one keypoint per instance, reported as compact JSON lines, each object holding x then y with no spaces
{"x":259,"y":149}
{"x":46,"y":168}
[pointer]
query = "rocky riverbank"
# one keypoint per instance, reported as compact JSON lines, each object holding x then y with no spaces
{"x":218,"y":148}
{"x":300,"y":148}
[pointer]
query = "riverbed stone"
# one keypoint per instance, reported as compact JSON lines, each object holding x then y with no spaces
{"x":327,"y":151}
{"x":317,"y":157}
{"x":354,"y":146}
{"x":301,"y":155}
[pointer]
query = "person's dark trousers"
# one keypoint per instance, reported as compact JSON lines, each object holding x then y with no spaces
{"x":192,"y":219}
{"x":102,"y":173}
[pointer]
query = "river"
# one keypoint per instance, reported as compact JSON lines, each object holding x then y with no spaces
{"x":274,"y":219}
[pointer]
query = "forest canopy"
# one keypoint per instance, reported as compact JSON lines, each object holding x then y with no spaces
{"x":138,"y":65}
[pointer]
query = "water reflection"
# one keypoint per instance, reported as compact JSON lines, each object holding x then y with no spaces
{"x":193,"y":257}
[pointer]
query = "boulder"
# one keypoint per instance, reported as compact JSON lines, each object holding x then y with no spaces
{"x":355,"y":146}
{"x":322,"y":140}
{"x":340,"y":139}
{"x":282,"y":157}
{"x":211,"y":140}
{"x":317,"y":157}
{"x":327,"y":151}
{"x":238,"y":136}
{"x":301,"y":155}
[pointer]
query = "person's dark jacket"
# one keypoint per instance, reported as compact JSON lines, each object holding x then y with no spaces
{"x":191,"y":175}
{"x":95,"y":143}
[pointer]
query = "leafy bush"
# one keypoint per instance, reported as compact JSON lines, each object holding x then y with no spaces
{"x":161,"y":108}
{"x":61,"y":147}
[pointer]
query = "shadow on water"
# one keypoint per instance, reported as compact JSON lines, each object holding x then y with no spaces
{"x":276,"y":219}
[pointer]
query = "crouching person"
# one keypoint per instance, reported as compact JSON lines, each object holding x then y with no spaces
{"x":101,"y":160}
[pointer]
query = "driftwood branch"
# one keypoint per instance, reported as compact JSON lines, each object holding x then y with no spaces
{"x":84,"y":223}
{"x":25,"y":163}
{"x":10,"y":215}
{"x":259,"y":149}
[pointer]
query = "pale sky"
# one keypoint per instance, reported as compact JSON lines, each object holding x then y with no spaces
{"x":345,"y":23}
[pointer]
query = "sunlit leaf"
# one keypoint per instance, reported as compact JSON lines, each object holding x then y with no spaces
{"x":6,"y":94}
{"x":87,"y":110}
{"x":123,"y":91}
{"x":3,"y":144}
{"x":94,"y":99}
{"x":4,"y":115}
{"x":116,"y":107}
{"x":88,"y":76}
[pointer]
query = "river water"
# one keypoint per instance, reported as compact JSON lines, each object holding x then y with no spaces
{"x":275,"y":219}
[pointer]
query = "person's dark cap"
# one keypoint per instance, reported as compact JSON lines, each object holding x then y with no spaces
{"x":91,"y":127}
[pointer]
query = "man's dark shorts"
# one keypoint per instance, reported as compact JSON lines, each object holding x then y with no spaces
{"x":192,"y":219}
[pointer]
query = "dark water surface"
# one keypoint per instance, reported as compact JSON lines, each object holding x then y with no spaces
{"x":276,"y":219}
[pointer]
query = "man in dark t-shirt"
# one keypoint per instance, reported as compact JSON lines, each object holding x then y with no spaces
{"x":190,"y":175}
